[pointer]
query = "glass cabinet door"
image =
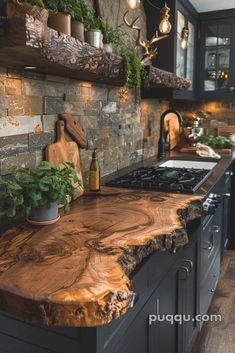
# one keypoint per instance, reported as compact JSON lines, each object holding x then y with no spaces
{"x":185,"y":54}
{"x":217,"y":53}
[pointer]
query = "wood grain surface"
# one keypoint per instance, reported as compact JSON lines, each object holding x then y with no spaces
{"x":63,"y":151}
{"x":74,"y":129}
{"x":172,"y":126}
{"x":76,"y":272}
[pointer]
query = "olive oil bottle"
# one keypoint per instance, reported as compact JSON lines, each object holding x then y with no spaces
{"x":94,"y":176}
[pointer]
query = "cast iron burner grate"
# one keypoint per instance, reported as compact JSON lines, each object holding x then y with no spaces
{"x":181,"y":180}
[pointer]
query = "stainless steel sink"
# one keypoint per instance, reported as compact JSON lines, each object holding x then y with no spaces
{"x":177,"y":163}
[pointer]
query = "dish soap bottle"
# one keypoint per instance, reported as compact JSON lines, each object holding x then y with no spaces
{"x":94,"y":175}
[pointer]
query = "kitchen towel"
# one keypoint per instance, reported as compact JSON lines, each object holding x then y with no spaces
{"x":206,"y":151}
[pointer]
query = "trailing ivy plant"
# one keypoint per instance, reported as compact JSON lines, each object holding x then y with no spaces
{"x":31,"y":188}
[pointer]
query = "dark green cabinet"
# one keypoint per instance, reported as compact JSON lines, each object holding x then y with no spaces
{"x":217,"y":70}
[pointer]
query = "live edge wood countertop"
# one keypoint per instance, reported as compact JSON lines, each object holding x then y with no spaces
{"x":76,"y":272}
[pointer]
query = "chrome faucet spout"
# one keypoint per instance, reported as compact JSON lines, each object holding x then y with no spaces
{"x":163,"y":134}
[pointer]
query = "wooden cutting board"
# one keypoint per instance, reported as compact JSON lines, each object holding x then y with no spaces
{"x":226,"y":131}
{"x":173,"y":127}
{"x":63,"y":151}
{"x":74,"y":129}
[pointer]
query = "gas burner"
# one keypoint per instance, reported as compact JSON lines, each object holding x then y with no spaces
{"x":180,"y":180}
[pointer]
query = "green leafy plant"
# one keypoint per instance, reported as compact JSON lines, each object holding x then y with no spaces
{"x":31,"y":188}
{"x":39,"y":3}
{"x":216,"y":142}
{"x":83,"y":13}
{"x":111,"y":35}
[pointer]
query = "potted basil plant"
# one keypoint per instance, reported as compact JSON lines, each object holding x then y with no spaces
{"x":112,"y":37}
{"x":36,"y":193}
{"x":80,"y":14}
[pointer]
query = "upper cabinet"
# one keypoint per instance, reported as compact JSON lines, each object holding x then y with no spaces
{"x":217,"y":70}
{"x":176,"y":53}
{"x":185,"y":45}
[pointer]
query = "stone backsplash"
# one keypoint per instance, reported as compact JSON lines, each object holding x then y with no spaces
{"x":124,"y":130}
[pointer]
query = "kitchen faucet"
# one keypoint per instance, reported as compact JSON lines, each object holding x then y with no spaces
{"x":163,"y":133}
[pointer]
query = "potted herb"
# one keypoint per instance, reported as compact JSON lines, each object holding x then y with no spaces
{"x":112,"y":37}
{"x":93,"y":33}
{"x":218,"y":142}
{"x":35,"y":8}
{"x":80,"y":14}
{"x":36,"y":193}
{"x":60,"y":14}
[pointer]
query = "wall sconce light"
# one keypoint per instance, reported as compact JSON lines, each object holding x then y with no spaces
{"x":184,"y":38}
{"x":165,"y":25}
{"x":133,"y":4}
{"x":150,"y":51}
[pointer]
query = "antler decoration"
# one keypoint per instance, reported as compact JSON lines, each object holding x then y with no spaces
{"x":149,"y":51}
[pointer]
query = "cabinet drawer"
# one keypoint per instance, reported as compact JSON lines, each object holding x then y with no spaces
{"x":160,"y":264}
{"x":210,"y":244}
{"x":208,"y":286}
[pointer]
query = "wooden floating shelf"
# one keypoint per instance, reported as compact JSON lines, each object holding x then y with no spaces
{"x":29,"y":42}
{"x":76,"y":272}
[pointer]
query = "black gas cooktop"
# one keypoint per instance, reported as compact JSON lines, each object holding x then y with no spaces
{"x":182,"y":180}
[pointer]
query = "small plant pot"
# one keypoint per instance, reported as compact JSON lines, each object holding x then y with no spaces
{"x":61,"y":22}
{"x":18,"y":9}
{"x":44,"y":215}
{"x":77,"y":30}
{"x":94,"y":37}
{"x":109,"y":48}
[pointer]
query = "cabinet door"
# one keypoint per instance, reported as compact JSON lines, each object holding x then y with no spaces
{"x":217,"y":72}
{"x":185,"y":49}
{"x":164,"y":335}
{"x":226,"y":199}
{"x":190,"y":297}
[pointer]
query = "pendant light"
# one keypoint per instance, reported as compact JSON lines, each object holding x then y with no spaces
{"x":165,"y":25}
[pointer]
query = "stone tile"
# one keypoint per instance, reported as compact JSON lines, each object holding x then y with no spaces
{"x":110,"y":107}
{"x":76,"y":108}
{"x":13,"y":145}
{"x":88,"y":121}
{"x":33,"y":75}
{"x":3,"y":71}
{"x":41,"y":140}
{"x":26,"y":159}
{"x":58,"y":79}
{"x":19,"y":125}
{"x":25,"y":105}
{"x":54,"y":105}
{"x":13,"y":86}
{"x":49,"y":122}
{"x":2,"y":84}
{"x":14,"y":73}
{"x":42,"y":88}
{"x":3,"y":102}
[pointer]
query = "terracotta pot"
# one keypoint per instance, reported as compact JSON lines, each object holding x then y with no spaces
{"x":61,"y":22}
{"x":18,"y":9}
{"x":109,"y":48}
{"x":77,"y":30}
{"x":94,"y":37}
{"x":44,"y":215}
